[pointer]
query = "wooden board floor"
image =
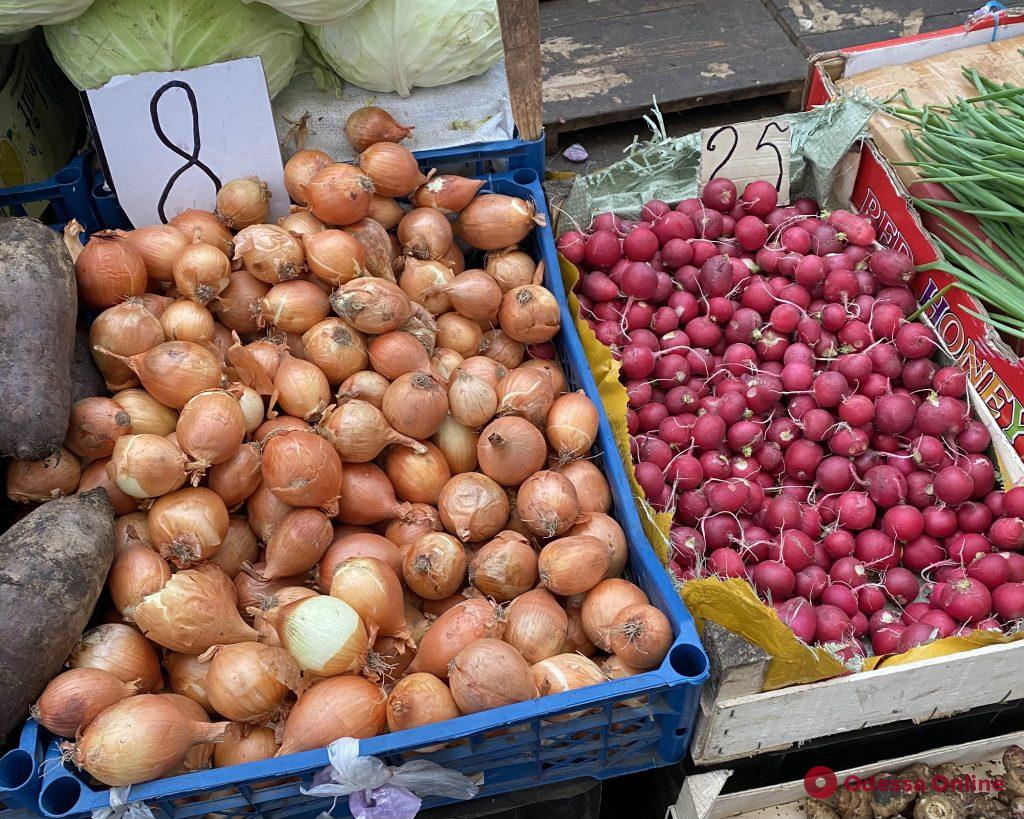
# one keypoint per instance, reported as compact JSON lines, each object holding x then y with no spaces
{"x":604,"y":60}
{"x":827,"y":25}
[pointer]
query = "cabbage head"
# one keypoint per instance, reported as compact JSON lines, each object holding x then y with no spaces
{"x":315,"y":12}
{"x":394,"y":45}
{"x":131,"y":36}
{"x":17,"y":16}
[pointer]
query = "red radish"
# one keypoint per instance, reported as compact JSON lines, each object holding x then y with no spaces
{"x":637,"y":361}
{"x":720,"y":530}
{"x":940,"y":415}
{"x":1016,"y":563}
{"x":676,"y":252}
{"x":690,"y":206}
{"x":811,"y":582}
{"x":709,"y":224}
{"x":915,"y":611}
{"x":916,"y":634}
{"x":802,"y":459}
{"x":857,"y":410}
{"x":886,"y":485}
{"x":860,"y":627}
{"x":708,"y":431}
{"x":793,"y":548}
{"x":974,"y":517}
{"x":990,"y":569}
{"x":687,"y":542}
{"x":798,"y":614}
{"x":572,"y":244}
{"x":759,"y":198}
{"x":922,"y":552}
{"x":876,"y":550}
{"x":885,"y":319}
{"x":1007,"y":533}
{"x":902,"y":585}
{"x":817,"y":424}
{"x":639,"y":281}
{"x":952,"y":485}
{"x":982,"y":472}
{"x":891,"y":268}
{"x":833,"y":624}
{"x":902,"y":522}
{"x":967,"y":547}
{"x":966,"y":600}
{"x":848,"y":571}
{"x":796,"y":240}
{"x":835,"y":474}
{"x":651,"y":416}
{"x":918,"y":374}
{"x":855,"y":510}
{"x":915,"y":341}
{"x":640,"y":245}
{"x":929,"y":451}
{"x":726,"y":563}
{"x":751,"y":233}
{"x":842,"y":597}
{"x":849,"y":441}
{"x":994,"y":501}
{"x":838,"y":544}
{"x":939,"y":620}
{"x":673,"y":225}
{"x":770,"y":577}
{"x":719,"y":194}
{"x":602,"y":249}
{"x":1013,"y":502}
{"x":829,"y":389}
{"x":728,"y":496}
{"x":894,"y":413}
{"x":886,"y":638}
{"x":950,"y":381}
{"x":988,"y":624}
{"x":653,"y":210}
{"x":1008,"y":601}
{"x":870,"y":599}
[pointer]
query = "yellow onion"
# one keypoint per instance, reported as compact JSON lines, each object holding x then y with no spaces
{"x":419,"y":520}
{"x":487,"y":674}
{"x":417,"y":474}
{"x":109,"y":270}
{"x":298,"y":543}
{"x":186,"y":320}
{"x":392,"y":168}
{"x":434,"y":566}
{"x":256,"y":364}
{"x":640,"y":636}
{"x":203,"y":226}
{"x":510,"y":450}
{"x":302,"y":469}
{"x":238,"y":304}
{"x":274,"y":426}
{"x":565,"y":672}
{"x":529,"y":314}
{"x":236,"y":478}
{"x":592,"y":490}
{"x":370,"y":124}
{"x":136,"y":572}
{"x":417,"y":700}
{"x":299,"y":171}
{"x":362,"y":544}
{"x":223,"y":340}
{"x":460,"y":334}
{"x":252,"y":407}
{"x":269,"y":253}
{"x":417,"y":624}
{"x":510,"y":268}
{"x":425,"y":282}
{"x":300,"y":222}
{"x":484,"y":368}
{"x":552,"y":368}
{"x":122,"y":651}
{"x":425,"y":234}
{"x":294,"y":306}
{"x":139,"y":739}
{"x":571,"y":426}
{"x":338,"y":707}
{"x":548,"y":504}
{"x":435,"y":608}
{"x":302,"y":388}
{"x":422,"y":327}
{"x":193,"y":611}
{"x":156,"y":304}
{"x":527,"y":393}
{"x":95,"y":476}
{"x":244,"y":743}
{"x":74,"y":698}
{"x":536,"y":625}
{"x":608,"y":531}
{"x":397,"y":353}
{"x":264,"y":511}
{"x":243,"y":202}
{"x":615,"y":669}
{"x":452,"y":631}
{"x":504,"y":568}
{"x":211,"y":428}
{"x":576,"y":641}
{"x":493,"y":221}
{"x":254,"y":594}
{"x":415,"y":404}
{"x":201,"y":271}
{"x":475,"y":294}
{"x":131,"y":530}
{"x":334,"y":256}
{"x":376,"y":245}
{"x":53,"y":477}
{"x":385,"y":211}
{"x":444,"y":363}
{"x":188,"y":525}
{"x":458,"y":445}
{"x":448,"y":193}
{"x":187,"y":676}
{"x":126,"y":329}
{"x":147,"y":465}
{"x":199,"y":757}
{"x":148,"y":416}
{"x":372,"y":306}
{"x":573,"y":565}
{"x":473,"y":507}
{"x":359,"y":432}
{"x":159,"y":246}
{"x":239,"y":546}
{"x":389,"y":659}
{"x":504,"y":350}
{"x":323,"y":634}
{"x":515,"y":521}
{"x":339,"y":194}
{"x":602,"y":605}
{"x":365,"y":385}
{"x":174,"y":372}
{"x":374,"y":592}
{"x":248,"y":682}
{"x":454,"y":258}
{"x":367,"y":496}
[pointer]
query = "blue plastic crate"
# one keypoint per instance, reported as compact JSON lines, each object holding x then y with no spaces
{"x":79,"y":191}
{"x":19,"y":772}
{"x":629,"y":725}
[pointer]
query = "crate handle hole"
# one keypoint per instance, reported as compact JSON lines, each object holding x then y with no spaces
{"x":60,"y":795}
{"x":688,"y":660}
{"x":15,"y":769}
{"x":68,"y":175}
{"x":525,"y":176}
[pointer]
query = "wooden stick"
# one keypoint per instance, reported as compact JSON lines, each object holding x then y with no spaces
{"x":520,"y":32}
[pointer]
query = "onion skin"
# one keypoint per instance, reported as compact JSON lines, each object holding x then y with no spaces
{"x":367,"y":496}
{"x":269,"y":253}
{"x":536,"y":625}
{"x":376,"y":245}
{"x":338,"y":707}
{"x":239,"y":546}
{"x":122,"y":651}
{"x":487,"y":674}
{"x":607,"y":530}
{"x":458,"y":444}
{"x":372,"y":306}
{"x":565,"y":672}
{"x":510,"y":268}
{"x":357,"y":545}
{"x":74,"y":698}
{"x":264,"y":511}
{"x":418,"y":475}
{"x":385,"y":211}
{"x":337,"y":348}
{"x":573,"y":565}
{"x":244,"y":743}
{"x":127,"y":329}
{"x":158,"y":245}
{"x":548,"y":504}
{"x":236,"y":478}
{"x":473,"y":507}
{"x":392,"y":168}
{"x":360,"y":432}
{"x":148,"y":416}
{"x":434,"y":566}
{"x":419,"y":520}
{"x":526,"y":392}
{"x":211,"y":427}
{"x":370,"y":124}
{"x":203,"y":226}
{"x":602,"y":605}
{"x":109,"y":270}
{"x":201,"y":272}
{"x":453,"y":631}
{"x":592,"y":490}
{"x":415,"y":404}
{"x":186,"y":320}
{"x":56,"y":476}
{"x":334,"y":256}
{"x":147,"y":465}
{"x":571,"y":425}
{"x":375,"y":593}
{"x":504,"y":568}
{"x":95,"y":475}
{"x":447,"y":192}
{"x":131,"y":530}
{"x":175,"y":371}
{"x":641,"y":636}
{"x":391,"y":656}
{"x":243,"y":202}
{"x":188,"y":525}
{"x":248,"y":682}
{"x":420,"y":699}
{"x":339,"y":194}
{"x":252,"y":591}
{"x":302,"y":469}
{"x":530,"y":314}
{"x":300,"y":169}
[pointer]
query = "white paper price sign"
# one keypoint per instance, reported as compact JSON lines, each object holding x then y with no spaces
{"x":170,"y":140}
{"x":747,"y":151}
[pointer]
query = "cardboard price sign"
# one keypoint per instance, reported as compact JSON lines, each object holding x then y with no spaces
{"x":169,"y":140}
{"x":746,"y":152}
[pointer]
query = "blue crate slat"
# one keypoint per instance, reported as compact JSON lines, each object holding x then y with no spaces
{"x":626,"y":726}
{"x":19,"y":771}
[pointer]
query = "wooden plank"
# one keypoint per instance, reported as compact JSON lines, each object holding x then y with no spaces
{"x":920,"y":691}
{"x":520,"y":34}
{"x":828,"y":25}
{"x":605,"y":60}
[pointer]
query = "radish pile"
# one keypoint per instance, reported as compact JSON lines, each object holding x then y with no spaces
{"x":783,"y":407}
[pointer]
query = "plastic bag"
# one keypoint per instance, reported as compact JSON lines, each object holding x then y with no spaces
{"x":385,"y":792}
{"x":121,"y":808}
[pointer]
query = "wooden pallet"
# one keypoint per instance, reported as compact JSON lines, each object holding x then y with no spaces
{"x":605,"y":61}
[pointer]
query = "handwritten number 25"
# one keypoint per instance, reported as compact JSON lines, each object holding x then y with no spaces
{"x":761,"y":144}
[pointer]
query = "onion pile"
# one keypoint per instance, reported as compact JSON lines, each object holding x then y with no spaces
{"x":322,"y":520}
